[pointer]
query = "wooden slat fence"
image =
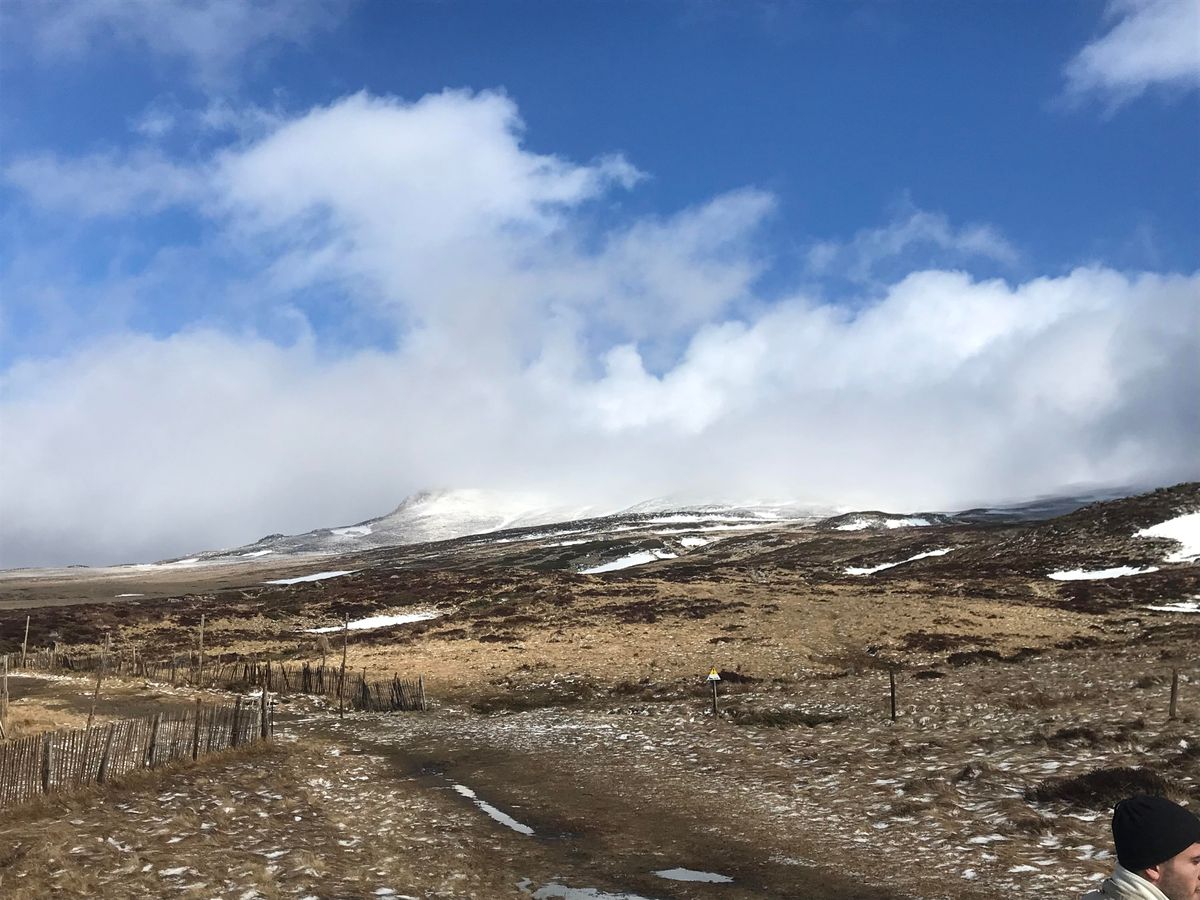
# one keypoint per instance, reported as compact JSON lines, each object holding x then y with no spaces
{"x":359,"y":693}
{"x":61,"y":761}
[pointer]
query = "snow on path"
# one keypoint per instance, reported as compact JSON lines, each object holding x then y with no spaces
{"x":377,"y":622}
{"x":499,"y":815}
{"x":320,"y":576}
{"x":1185,"y":529}
{"x":873,"y":569}
{"x":633,"y":559}
{"x":1097,"y":574}
{"x":681,"y":874}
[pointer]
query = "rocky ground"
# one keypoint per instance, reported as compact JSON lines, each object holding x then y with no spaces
{"x":574,"y":706}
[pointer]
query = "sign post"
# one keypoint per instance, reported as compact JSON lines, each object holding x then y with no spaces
{"x":712,"y":679}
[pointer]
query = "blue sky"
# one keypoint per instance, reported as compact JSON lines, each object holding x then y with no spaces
{"x":633,"y":248}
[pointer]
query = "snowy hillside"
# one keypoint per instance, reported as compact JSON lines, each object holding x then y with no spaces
{"x":427,"y":516}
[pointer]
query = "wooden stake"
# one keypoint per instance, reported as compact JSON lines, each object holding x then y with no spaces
{"x":212,"y":726}
{"x":153,"y":745}
{"x":196,"y":732}
{"x":892,"y":680}
{"x":108,"y":743}
{"x":25,"y":643}
{"x":47,"y":760}
{"x":421,"y":692}
{"x":4,"y":697}
{"x":342,"y":676}
{"x":234,"y":737}
{"x":95,"y":695}
{"x":716,"y":711}
{"x":1175,"y":694}
{"x":200,"y":664}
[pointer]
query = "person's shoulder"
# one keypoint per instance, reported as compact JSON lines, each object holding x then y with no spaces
{"x":1095,"y":894}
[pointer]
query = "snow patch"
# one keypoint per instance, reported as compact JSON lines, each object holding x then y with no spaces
{"x":1181,"y":606}
{"x":351,"y":531}
{"x":319,"y":576}
{"x":1097,"y":574}
{"x":500,"y":816}
{"x":377,"y":622}
{"x":863,"y":523}
{"x":633,"y":559}
{"x":1185,"y":529}
{"x":879,"y":568}
{"x":680,"y":874}
{"x":257,"y":553}
{"x":690,"y":542}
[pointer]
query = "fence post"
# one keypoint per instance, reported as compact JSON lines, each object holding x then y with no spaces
{"x":262,"y":718}
{"x":234,"y":737}
{"x":892,"y":682}
{"x":196,"y":732}
{"x":200,"y":664}
{"x":1170,"y":713}
{"x":108,"y":743}
{"x":421,"y":693}
{"x":4,"y":698}
{"x":95,"y":694}
{"x":47,"y":760}
{"x":212,"y":727}
{"x":342,"y":676}
{"x":153,"y":740}
{"x":25,"y":643}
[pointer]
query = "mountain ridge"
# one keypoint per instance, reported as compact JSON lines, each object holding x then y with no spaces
{"x":444,"y":514}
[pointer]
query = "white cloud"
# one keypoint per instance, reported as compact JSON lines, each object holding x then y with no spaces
{"x":106,"y":184}
{"x":211,"y":37}
{"x":536,"y":350}
{"x":916,"y":233}
{"x":943,"y":392}
{"x":1151,"y":42}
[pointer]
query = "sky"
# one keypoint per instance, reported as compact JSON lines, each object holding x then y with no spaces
{"x":274,"y":265}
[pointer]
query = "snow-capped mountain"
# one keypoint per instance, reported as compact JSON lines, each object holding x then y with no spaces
{"x":447,"y":514}
{"x":427,"y":516}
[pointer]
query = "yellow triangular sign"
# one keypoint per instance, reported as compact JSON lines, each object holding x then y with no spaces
{"x":713,"y":676}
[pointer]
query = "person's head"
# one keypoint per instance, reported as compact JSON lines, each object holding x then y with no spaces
{"x":1160,"y":841}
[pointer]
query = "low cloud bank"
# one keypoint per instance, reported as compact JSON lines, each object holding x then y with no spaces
{"x":531,"y":338}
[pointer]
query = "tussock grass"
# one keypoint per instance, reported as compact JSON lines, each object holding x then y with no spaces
{"x":1101,"y":788}
{"x":782,"y":718}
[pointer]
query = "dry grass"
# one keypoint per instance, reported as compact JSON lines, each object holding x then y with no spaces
{"x":1101,"y":787}
{"x":29,"y":716}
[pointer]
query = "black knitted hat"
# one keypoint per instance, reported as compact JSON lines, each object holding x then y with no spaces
{"x":1151,"y":830}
